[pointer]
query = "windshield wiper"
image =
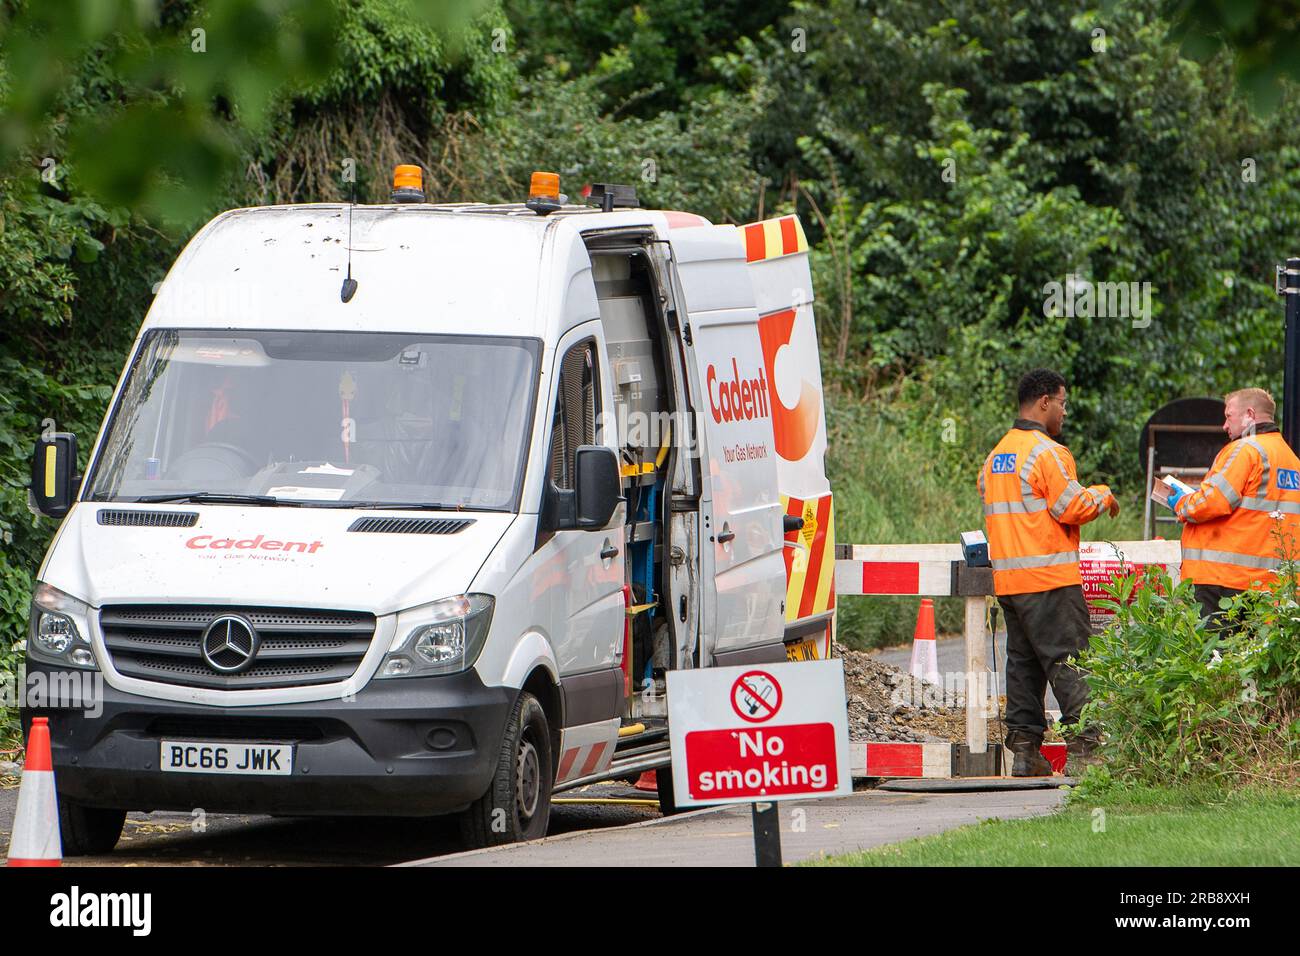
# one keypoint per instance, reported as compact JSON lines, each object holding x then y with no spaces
{"x":400,"y":505}
{"x":218,"y":497}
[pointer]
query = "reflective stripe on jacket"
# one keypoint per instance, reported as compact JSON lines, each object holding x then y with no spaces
{"x":1033,"y":505}
{"x":1238,"y":519}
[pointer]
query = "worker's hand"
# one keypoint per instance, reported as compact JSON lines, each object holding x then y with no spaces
{"x":1174,"y":498}
{"x":1112,"y":509}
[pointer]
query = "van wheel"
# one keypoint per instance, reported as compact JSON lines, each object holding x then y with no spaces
{"x":517,"y":806}
{"x":88,"y":831}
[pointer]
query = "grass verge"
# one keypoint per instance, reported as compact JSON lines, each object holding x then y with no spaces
{"x":1142,"y":827}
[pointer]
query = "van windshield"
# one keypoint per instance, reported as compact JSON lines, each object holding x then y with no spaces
{"x":322,"y":418}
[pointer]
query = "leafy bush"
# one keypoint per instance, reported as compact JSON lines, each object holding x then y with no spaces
{"x":1178,"y":701}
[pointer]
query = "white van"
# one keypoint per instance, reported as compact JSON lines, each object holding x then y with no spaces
{"x":406,"y":509}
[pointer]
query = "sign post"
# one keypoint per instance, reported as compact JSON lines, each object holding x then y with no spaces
{"x":767,"y":835}
{"x":759,"y":734}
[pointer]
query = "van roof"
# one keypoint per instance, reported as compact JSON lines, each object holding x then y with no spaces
{"x":444,"y":267}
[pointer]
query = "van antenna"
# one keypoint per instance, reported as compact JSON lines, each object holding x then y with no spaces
{"x":350,"y":284}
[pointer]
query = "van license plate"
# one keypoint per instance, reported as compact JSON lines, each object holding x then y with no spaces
{"x":198,"y":756}
{"x":804,"y":651}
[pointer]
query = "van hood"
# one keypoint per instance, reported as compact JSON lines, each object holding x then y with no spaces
{"x":276,"y":556}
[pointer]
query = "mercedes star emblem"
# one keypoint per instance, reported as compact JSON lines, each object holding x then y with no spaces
{"x":230,"y":644}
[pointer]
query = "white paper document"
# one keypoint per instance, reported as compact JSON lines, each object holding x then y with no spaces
{"x":1163,"y":487}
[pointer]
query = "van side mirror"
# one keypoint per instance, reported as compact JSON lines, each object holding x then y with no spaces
{"x":599,"y":488}
{"x":55,"y":481}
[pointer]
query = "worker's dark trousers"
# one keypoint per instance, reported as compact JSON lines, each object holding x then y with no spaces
{"x":1207,"y":596}
{"x":1044,"y":631}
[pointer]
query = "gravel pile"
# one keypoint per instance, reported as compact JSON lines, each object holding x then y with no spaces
{"x":885,"y":703}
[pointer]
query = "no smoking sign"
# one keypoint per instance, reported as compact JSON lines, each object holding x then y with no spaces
{"x":774,"y":732}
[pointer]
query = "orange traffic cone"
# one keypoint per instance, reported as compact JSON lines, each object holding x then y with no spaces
{"x":648,"y":782}
{"x":35,"y":840}
{"x":925,"y":654}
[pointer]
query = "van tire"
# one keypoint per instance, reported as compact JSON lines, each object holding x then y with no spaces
{"x":88,"y":831}
{"x":517,"y":805}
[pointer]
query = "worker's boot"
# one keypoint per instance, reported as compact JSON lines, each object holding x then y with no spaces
{"x":1080,"y":754}
{"x":1028,"y":757}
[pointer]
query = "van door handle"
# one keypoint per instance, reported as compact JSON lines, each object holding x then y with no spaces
{"x":725,"y":536}
{"x":609,"y":551}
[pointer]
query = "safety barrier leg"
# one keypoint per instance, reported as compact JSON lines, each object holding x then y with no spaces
{"x":976,"y":665}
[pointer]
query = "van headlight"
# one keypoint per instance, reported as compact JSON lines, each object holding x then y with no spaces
{"x":58,"y":630}
{"x":444,"y":637}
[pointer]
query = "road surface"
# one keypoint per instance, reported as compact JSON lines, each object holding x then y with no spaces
{"x":170,"y":839}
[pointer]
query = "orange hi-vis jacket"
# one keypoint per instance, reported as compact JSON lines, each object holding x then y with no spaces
{"x":1242,"y":515}
{"x":1033,"y":506}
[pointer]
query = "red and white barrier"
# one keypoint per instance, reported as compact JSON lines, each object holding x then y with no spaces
{"x":892,"y":759}
{"x":925,"y":570}
{"x":929,"y":570}
{"x":921,"y":569}
{"x":924,"y":760}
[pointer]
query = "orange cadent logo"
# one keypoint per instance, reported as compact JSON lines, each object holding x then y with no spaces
{"x":794,"y":428}
{"x":736,"y":399}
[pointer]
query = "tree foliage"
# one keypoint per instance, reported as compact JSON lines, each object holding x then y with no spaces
{"x":982,"y":151}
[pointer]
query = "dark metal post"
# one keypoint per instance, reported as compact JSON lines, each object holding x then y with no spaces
{"x":1288,"y":285}
{"x":767,"y":835}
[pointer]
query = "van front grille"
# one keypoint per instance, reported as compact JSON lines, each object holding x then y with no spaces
{"x":295,"y":647}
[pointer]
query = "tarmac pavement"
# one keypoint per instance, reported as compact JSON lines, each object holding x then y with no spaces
{"x":723,"y":836}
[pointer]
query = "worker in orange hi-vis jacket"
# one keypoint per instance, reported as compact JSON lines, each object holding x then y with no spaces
{"x":1245,"y":516}
{"x":1033,"y":506}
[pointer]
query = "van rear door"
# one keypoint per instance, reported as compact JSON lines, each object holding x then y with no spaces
{"x":740,"y":506}
{"x":777,"y":253}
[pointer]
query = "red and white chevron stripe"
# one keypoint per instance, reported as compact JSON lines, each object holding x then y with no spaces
{"x":586,"y":749}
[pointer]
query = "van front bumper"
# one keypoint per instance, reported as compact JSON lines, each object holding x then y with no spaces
{"x":402,"y":747}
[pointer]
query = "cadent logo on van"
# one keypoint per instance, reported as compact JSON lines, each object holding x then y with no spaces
{"x":738,"y":398}
{"x":260,"y":543}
